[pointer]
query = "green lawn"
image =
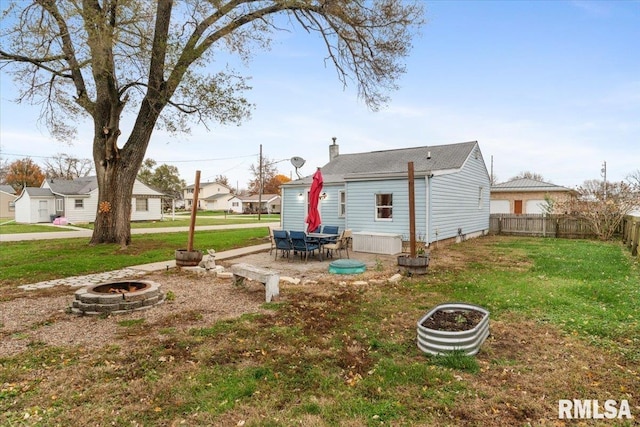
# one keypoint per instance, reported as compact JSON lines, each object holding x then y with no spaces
{"x":564,"y":325}
{"x":10,"y":227}
{"x":13,"y":228}
{"x":33,"y":261}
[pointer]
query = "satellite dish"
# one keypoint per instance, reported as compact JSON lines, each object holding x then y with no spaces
{"x":297,"y":162}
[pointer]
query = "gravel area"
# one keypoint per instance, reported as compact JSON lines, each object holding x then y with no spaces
{"x":200,"y":300}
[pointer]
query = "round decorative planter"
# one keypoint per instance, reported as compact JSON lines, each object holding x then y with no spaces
{"x":414,"y":265}
{"x":187,"y":258}
{"x":438,"y":341}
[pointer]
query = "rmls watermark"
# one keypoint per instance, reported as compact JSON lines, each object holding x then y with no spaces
{"x":592,"y":409}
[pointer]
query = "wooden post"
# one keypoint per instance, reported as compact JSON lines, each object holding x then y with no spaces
{"x":412,"y":212}
{"x":194,"y":211}
{"x":260,"y":184}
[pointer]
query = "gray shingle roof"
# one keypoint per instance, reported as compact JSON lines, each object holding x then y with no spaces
{"x":223,"y":196}
{"x":7,"y":189}
{"x":443,"y":157}
{"x":78,"y":186}
{"x":527,"y":184}
{"x":38,"y":192}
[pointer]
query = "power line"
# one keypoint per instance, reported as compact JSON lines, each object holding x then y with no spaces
{"x":206,"y":160}
{"x":158,"y":161}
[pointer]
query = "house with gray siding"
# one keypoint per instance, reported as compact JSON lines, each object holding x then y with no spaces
{"x":369,"y":194}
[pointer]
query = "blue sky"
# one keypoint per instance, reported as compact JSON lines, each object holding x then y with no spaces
{"x":551,"y":87}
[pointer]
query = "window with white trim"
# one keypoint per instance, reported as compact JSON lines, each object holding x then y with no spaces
{"x":59,"y":205}
{"x":142,"y":205}
{"x":384,"y":207}
{"x":78,"y":203}
{"x":342,"y":203}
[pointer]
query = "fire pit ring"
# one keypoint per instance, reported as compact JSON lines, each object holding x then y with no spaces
{"x":117,"y":297}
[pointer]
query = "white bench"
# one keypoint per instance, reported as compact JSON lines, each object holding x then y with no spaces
{"x":269,"y":278}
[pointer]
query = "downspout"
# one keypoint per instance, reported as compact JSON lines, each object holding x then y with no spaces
{"x":428,"y":210}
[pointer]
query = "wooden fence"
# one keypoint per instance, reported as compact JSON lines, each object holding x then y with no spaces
{"x":565,"y":226}
{"x":631,"y":234}
{"x":539,"y":225}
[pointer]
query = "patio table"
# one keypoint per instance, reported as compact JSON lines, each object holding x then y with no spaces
{"x":322,"y":238}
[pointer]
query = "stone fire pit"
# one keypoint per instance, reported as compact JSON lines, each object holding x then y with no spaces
{"x":117,"y":297}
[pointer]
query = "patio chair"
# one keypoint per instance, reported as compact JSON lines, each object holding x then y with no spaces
{"x":272,"y":240}
{"x":282,"y":243}
{"x":300,"y":243}
{"x":341,"y":244}
{"x":330,"y":229}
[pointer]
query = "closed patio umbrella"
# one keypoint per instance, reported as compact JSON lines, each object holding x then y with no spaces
{"x":313,"y":217}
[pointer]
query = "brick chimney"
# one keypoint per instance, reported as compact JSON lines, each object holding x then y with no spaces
{"x":334,"y":149}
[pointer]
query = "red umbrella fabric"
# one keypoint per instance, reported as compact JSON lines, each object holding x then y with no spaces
{"x":313,"y":217}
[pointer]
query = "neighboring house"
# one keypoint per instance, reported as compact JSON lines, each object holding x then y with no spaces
{"x":249,"y":203}
{"x":212,"y":196}
{"x":8,"y":198}
{"x":77,"y":201}
{"x":368,"y":193}
{"x":526,"y":196}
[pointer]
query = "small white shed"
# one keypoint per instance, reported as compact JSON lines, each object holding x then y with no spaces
{"x":35,"y":205}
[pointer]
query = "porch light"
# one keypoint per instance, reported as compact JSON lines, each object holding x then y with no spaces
{"x":323,"y":196}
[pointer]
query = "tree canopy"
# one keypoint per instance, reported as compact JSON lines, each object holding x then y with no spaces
{"x":103,"y":59}
{"x":24,"y":173}
{"x":163,"y":177}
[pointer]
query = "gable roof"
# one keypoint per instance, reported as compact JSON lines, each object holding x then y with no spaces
{"x":527,"y":184}
{"x":393,"y":162}
{"x":206,"y":184}
{"x":7,"y":189}
{"x":227,"y":196}
{"x":37,"y":192}
{"x":73,"y":187}
{"x":82,"y":186}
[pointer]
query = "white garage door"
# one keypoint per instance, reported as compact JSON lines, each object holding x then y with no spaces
{"x":535,"y":206}
{"x":499,"y":207}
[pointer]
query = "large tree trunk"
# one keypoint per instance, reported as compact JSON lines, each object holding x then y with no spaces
{"x":113,"y":216}
{"x":117,"y":170}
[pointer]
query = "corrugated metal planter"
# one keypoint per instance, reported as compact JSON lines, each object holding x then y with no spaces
{"x":439,"y":341}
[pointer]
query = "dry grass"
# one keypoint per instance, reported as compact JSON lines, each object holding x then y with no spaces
{"x":329,"y":352}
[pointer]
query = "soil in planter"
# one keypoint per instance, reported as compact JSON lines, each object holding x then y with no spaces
{"x":456,"y":320}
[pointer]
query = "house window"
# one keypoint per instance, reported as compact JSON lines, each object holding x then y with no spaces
{"x":142,"y":205}
{"x":78,"y":203}
{"x":59,"y":205}
{"x":384,"y":207}
{"x":342,"y":204}
{"x":12,"y":206}
{"x":479,"y":197}
{"x":235,"y":204}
